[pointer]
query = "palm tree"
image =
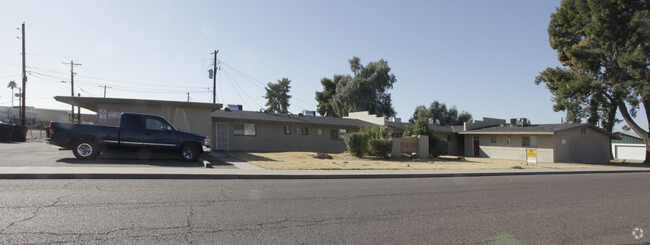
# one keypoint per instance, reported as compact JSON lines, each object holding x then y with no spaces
{"x":12,"y":85}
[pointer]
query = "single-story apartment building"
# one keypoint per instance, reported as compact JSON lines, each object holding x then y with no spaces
{"x":261,"y":131}
{"x":579,"y":143}
{"x":238,"y":130}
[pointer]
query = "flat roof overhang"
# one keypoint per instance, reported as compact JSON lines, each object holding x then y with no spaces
{"x":91,"y":103}
{"x":508,"y":133}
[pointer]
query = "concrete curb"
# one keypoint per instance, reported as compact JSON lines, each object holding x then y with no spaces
{"x":311,"y":175}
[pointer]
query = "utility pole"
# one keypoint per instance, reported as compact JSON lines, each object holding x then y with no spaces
{"x":72,"y":64}
{"x":22,"y":94}
{"x":104,"y":89}
{"x":188,"y":96}
{"x":214,"y":79}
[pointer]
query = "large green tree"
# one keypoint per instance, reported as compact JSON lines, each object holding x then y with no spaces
{"x":364,"y":90}
{"x":438,"y":111}
{"x":604,"y":49}
{"x":277,"y":96}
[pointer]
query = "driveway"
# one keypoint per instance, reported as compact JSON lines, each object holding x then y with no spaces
{"x":36,"y":153}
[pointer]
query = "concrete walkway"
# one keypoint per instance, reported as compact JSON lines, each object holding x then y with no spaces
{"x":235,"y":162}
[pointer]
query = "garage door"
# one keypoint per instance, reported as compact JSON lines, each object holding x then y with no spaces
{"x":630,"y":152}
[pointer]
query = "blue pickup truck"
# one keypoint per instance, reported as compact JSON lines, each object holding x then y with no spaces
{"x":136,"y":132}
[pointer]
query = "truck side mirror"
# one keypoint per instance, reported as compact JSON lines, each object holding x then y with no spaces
{"x":169,"y":128}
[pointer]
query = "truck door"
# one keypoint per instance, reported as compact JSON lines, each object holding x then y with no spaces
{"x":131,"y":131}
{"x":159,"y":134}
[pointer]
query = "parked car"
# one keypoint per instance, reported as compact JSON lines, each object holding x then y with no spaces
{"x":136,"y":132}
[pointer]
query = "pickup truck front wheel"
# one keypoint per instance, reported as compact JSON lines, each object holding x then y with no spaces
{"x":189,"y":152}
{"x":85,"y":149}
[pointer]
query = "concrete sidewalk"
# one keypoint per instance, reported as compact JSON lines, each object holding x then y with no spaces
{"x":210,"y":173}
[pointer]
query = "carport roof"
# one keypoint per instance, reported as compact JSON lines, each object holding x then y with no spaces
{"x":91,"y":103}
{"x":253,"y":116}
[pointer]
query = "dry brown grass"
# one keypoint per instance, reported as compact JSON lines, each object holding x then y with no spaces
{"x":345,"y":161}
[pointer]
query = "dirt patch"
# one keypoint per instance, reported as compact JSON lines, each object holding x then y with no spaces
{"x":345,"y":161}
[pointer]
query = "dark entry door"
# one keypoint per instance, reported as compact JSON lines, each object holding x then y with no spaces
{"x":477,"y":152}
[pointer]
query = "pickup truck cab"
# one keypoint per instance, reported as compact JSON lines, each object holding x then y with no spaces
{"x":136,"y":132}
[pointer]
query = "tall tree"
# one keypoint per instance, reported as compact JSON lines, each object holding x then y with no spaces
{"x":12,"y":85}
{"x":277,"y":96}
{"x":364,"y":90}
{"x":325,"y":108}
{"x":438,"y":111}
{"x":604,"y":47}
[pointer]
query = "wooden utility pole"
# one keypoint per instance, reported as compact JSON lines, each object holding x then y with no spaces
{"x":214,"y":79}
{"x":104,"y":89}
{"x":22,"y":94}
{"x":72,"y":64}
{"x":188,"y":96}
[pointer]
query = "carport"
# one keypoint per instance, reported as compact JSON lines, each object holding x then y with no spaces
{"x":187,"y":116}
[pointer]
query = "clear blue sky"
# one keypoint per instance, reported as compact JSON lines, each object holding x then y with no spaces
{"x":481,"y":56}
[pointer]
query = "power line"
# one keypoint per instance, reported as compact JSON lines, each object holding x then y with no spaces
{"x":230,"y":80}
{"x":245,"y":76}
{"x":68,"y":34}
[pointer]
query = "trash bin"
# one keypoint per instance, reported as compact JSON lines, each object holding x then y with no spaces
{"x":6,"y":129}
{"x":19,"y":133}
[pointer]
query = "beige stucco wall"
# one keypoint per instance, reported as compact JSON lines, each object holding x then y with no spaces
{"x":573,"y":146}
{"x":513,"y":151}
{"x":271,"y":137}
{"x":193,"y":120}
{"x":367,"y":117}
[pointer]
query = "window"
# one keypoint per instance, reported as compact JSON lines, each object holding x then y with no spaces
{"x":247,"y":129}
{"x":152,"y":123}
{"x":494,"y":139}
{"x":133,"y":122}
{"x":298,"y":131}
{"x":448,"y":138}
{"x":287,"y":129}
{"x":320,"y":131}
{"x":305,"y":131}
{"x":508,"y":141}
{"x":337,"y":134}
{"x":529,"y":141}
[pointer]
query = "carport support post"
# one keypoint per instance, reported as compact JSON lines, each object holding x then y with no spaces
{"x":78,"y":110}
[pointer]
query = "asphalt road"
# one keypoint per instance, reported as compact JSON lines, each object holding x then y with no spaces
{"x":547,"y":209}
{"x":36,"y":153}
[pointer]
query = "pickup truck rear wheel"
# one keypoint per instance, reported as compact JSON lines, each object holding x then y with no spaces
{"x":85,"y":149}
{"x":189,"y":152}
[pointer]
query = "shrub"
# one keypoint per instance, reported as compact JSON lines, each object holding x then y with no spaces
{"x":438,"y":146}
{"x":356,"y":143}
{"x":381,"y":147}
